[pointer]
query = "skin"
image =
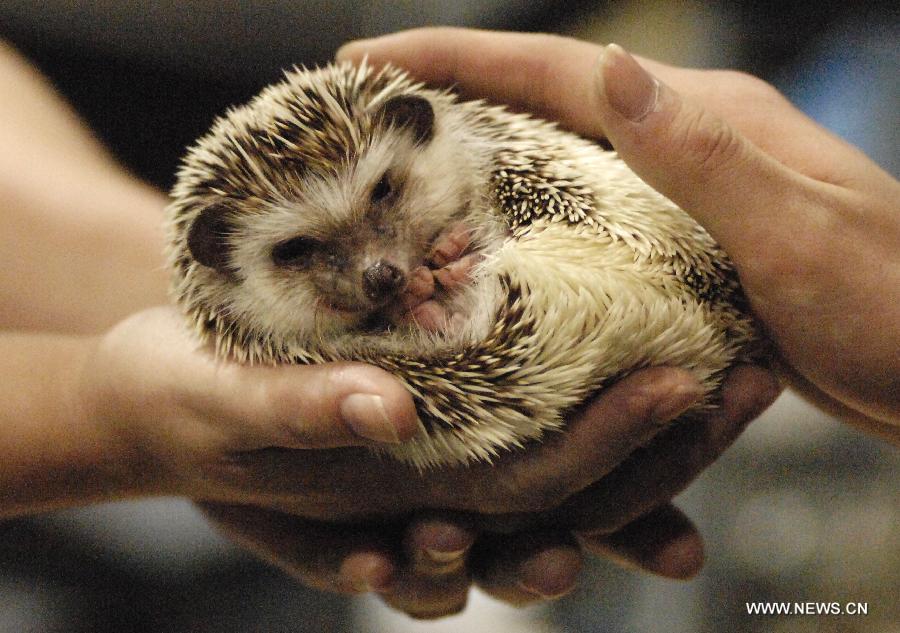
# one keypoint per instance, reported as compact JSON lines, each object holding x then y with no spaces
{"x":533,"y":555}
{"x":180,"y":423}
{"x":790,"y":202}
{"x":107,"y":398}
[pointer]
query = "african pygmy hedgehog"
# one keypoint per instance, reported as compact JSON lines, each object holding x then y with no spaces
{"x":504,"y":269}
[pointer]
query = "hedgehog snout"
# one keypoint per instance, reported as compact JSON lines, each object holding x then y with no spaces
{"x":383,"y":280}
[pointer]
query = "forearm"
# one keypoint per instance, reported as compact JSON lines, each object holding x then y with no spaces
{"x":86,"y":236}
{"x":51,"y":454}
{"x":83,"y":259}
{"x":30,"y":108}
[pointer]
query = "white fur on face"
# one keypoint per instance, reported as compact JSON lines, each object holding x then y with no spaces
{"x":436,"y":184}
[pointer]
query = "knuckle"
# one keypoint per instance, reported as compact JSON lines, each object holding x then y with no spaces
{"x":548,"y":41}
{"x":441,"y":32}
{"x":280,"y":408}
{"x":273,"y":402}
{"x":295,"y":434}
{"x":540,"y":75}
{"x":535,"y":490}
{"x":547,"y":494}
{"x":228,"y":468}
{"x":308,"y":393}
{"x":707,"y":142}
{"x":637,"y":404}
{"x":510,"y":494}
{"x":751,"y":88}
{"x":434,"y":612}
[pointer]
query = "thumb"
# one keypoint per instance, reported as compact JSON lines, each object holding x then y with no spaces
{"x":691,"y":156}
{"x":318,"y":406}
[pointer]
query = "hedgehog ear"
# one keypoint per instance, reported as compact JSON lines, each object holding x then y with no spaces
{"x":207,"y":238}
{"x":410,"y":112}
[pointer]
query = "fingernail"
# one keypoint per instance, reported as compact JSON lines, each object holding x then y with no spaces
{"x":351,"y":48}
{"x":365,"y":414}
{"x":445,"y":557}
{"x":360,"y":585}
{"x":620,"y":555}
{"x":629,"y":89}
{"x":676,"y":402}
{"x":369,"y":585}
{"x":364,"y":572}
{"x":551,"y":574}
{"x":543,"y":593}
{"x":380,"y":584}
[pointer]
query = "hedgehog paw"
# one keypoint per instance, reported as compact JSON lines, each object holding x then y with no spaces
{"x":427,"y":301}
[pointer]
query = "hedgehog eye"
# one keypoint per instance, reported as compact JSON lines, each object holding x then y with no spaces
{"x":381,"y":190}
{"x":295,"y":252}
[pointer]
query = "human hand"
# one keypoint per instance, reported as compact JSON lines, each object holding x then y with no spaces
{"x":179,"y":433}
{"x":232,"y":433}
{"x":229,"y":435}
{"x":185,"y":417}
{"x":530,"y":549}
{"x":791,"y":203}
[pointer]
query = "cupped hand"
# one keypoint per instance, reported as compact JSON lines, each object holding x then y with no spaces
{"x":809,"y":221}
{"x":520,"y":526}
{"x":186,"y":417}
{"x":237,"y":438}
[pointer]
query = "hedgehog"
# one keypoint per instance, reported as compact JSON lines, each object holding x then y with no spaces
{"x":504,"y":269}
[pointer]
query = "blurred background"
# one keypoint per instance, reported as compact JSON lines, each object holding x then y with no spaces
{"x":800,"y":509}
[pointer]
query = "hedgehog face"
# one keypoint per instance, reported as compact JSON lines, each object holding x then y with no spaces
{"x":338,"y":256}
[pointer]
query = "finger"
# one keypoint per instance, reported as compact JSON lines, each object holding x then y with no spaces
{"x":434,"y":581}
{"x":517,"y":69}
{"x":324,"y":556}
{"x":320,"y":406}
{"x":657,"y":473}
{"x":430,"y":315}
{"x":551,"y":77}
{"x":428,"y":598}
{"x":702,"y":163}
{"x":437,"y":544}
{"x":420,"y":287}
{"x":623,"y":418}
{"x":663,"y":542}
{"x":546,"y":75}
{"x":528,"y":567}
{"x":837,"y":409}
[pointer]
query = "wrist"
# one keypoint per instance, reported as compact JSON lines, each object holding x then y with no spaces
{"x":837,"y":409}
{"x":124,"y":456}
{"x":55,"y":452}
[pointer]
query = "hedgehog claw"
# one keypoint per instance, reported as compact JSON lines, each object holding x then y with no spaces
{"x":458,"y":272}
{"x":451,"y":244}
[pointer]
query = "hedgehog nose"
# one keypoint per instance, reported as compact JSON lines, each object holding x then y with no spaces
{"x":382,"y":279}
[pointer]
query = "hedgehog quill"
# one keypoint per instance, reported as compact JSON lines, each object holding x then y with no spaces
{"x":505,"y":270}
